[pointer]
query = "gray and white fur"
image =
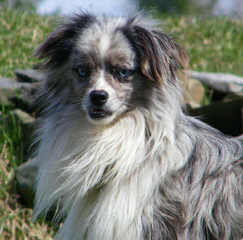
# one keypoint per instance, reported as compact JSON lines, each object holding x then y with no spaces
{"x":119,"y":158}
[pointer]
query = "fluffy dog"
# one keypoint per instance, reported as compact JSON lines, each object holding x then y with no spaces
{"x":119,"y":158}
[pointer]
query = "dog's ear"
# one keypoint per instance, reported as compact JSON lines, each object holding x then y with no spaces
{"x":158,"y":55}
{"x":57,"y":47}
{"x":176,"y":53}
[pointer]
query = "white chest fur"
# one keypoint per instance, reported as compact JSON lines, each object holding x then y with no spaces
{"x":105,"y":179}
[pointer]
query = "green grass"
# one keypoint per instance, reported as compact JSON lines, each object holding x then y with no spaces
{"x":214,"y":44}
{"x":20,"y":33}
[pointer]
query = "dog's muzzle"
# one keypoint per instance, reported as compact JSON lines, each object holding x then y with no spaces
{"x":98,"y":99}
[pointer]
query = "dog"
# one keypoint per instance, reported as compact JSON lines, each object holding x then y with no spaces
{"x":119,"y":157}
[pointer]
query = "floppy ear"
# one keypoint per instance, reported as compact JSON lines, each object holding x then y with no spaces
{"x":158,"y":55}
{"x":176,"y":53}
{"x":55,"y":51}
{"x":58,"y":46}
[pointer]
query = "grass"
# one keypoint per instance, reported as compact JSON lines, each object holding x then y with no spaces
{"x":214,"y":44}
{"x":15,"y":220}
{"x":21,"y":32}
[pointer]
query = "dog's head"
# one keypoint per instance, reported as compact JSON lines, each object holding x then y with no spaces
{"x":108,"y":66}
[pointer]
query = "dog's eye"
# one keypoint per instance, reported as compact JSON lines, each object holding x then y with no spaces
{"x":123,"y":73}
{"x":83,"y":71}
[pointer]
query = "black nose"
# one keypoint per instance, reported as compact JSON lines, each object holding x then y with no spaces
{"x":98,"y":97}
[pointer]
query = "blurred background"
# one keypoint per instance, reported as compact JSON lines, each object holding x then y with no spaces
{"x":232,"y":8}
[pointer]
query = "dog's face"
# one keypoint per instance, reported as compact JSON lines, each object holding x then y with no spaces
{"x":104,"y":73}
{"x":111,"y":66}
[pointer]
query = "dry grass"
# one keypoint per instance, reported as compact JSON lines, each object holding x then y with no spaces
{"x":15,"y":221}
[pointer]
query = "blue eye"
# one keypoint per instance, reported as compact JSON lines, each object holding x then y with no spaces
{"x":124,"y":73}
{"x":83,"y":71}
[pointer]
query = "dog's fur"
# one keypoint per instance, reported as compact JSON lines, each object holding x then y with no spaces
{"x":135,"y":168}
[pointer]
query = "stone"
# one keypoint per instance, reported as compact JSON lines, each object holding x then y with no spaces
{"x":29,"y":75}
{"x":26,"y":99}
{"x":20,"y":94}
{"x":223,"y":82}
{"x":193,"y":92}
{"x":26,"y":173}
{"x":225,"y":116}
{"x":17,"y":117}
{"x":8,"y":89}
{"x":26,"y":177}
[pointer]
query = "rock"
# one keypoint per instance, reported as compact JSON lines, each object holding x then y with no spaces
{"x":225,"y":116}
{"x":21,"y":94}
{"x":26,"y":178}
{"x":11,"y":84}
{"x":29,"y":75}
{"x":24,"y":118}
{"x":27,"y":123}
{"x":22,"y":91}
{"x":26,"y":173}
{"x":223,"y":82}
{"x":7,"y":83}
{"x":26,"y":99}
{"x":8,"y":89}
{"x":194,"y":92}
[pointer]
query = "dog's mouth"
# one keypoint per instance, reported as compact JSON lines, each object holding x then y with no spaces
{"x":98,"y":113}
